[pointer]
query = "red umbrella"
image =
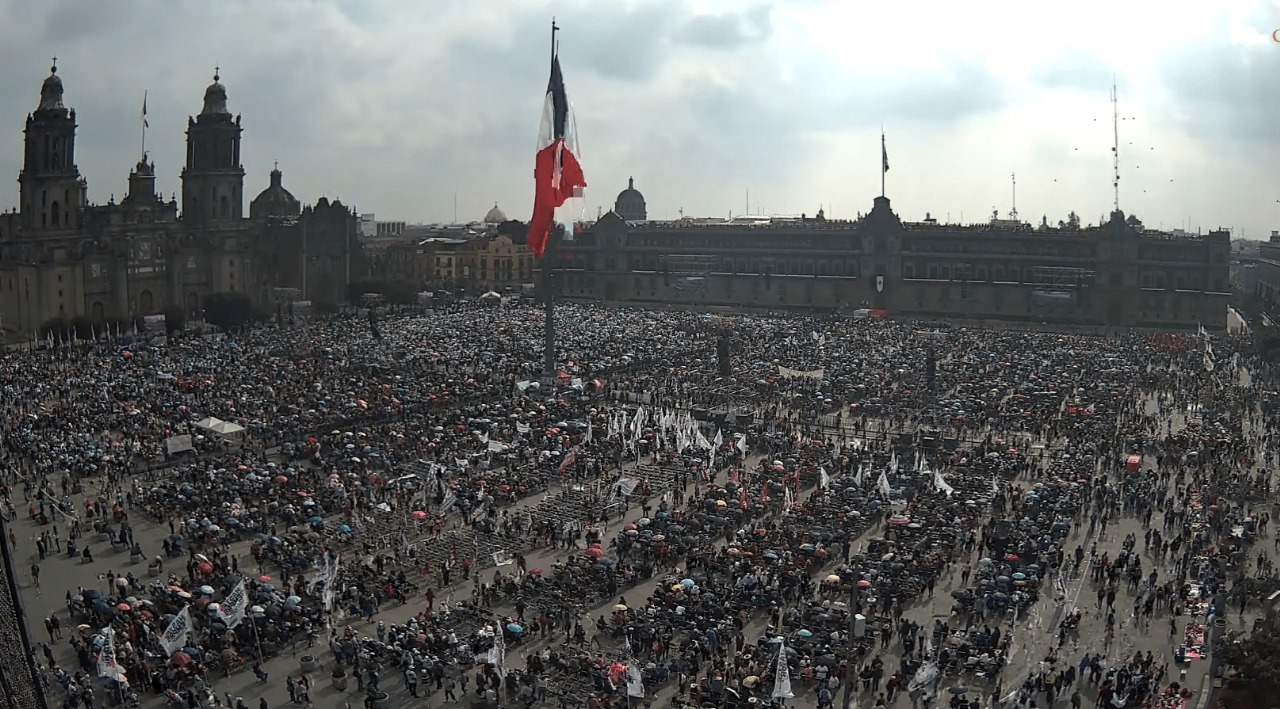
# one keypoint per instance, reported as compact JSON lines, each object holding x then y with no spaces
{"x":264,"y":577}
{"x":281,"y":479}
{"x":180,"y":659}
{"x":205,"y":567}
{"x":302,"y":493}
{"x":864,"y":584}
{"x":419,"y":514}
{"x":124,"y":607}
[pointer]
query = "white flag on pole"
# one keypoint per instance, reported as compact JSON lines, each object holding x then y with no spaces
{"x":635,"y":681}
{"x":885,"y":489}
{"x":235,"y":605}
{"x":174,"y":637}
{"x":824,"y":480}
{"x":107,"y":655}
{"x":941,"y":484}
{"x":782,"y":676}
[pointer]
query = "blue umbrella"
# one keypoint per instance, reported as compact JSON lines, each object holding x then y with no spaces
{"x":293,"y":600}
{"x":316,"y":520}
{"x":345,"y":529}
{"x":514,"y":629}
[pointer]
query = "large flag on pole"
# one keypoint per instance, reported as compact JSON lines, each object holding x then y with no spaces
{"x":557,"y":173}
{"x":235,"y":605}
{"x":144,"y":110}
{"x":107,"y":655}
{"x":884,"y":154}
{"x":174,"y":637}
{"x":782,"y":676}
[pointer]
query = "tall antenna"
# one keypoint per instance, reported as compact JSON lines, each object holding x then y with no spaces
{"x":455,"y":207}
{"x":1013,"y":214}
{"x":1115,"y":145}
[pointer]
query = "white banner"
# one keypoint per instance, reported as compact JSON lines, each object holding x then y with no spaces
{"x":235,"y":605}
{"x":782,"y":676}
{"x":824,"y":480}
{"x":635,"y":681}
{"x":787,"y":373}
{"x":107,"y":655}
{"x":942,"y":485}
{"x":174,"y":637}
{"x":502,"y":558}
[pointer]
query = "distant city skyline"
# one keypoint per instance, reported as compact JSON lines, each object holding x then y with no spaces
{"x":395,"y":107}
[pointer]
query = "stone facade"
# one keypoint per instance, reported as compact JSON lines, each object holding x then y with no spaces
{"x":63,"y":258}
{"x":1118,"y":274}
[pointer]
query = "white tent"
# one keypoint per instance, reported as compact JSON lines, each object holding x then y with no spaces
{"x":218,"y":427}
{"x":491,"y":295}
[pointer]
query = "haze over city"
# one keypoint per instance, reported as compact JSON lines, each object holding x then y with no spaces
{"x":396,"y":106}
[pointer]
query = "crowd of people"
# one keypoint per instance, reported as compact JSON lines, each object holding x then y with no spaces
{"x":385,"y":499}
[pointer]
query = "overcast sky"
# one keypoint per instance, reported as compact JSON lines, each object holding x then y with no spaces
{"x":395,"y":106}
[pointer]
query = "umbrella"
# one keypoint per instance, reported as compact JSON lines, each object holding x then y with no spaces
{"x":514,"y":629}
{"x":959,"y":689}
{"x":180,"y":659}
{"x":124,"y":607}
{"x":618,"y":607}
{"x":316,"y":520}
{"x":293,"y":600}
{"x":206,"y":590}
{"x":264,"y":577}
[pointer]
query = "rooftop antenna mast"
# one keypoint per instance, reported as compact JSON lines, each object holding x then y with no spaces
{"x":1115,"y":145}
{"x":1013,"y":214}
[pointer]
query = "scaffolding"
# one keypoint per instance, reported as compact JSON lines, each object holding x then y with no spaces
{"x":688,"y":272}
{"x":1061,"y":277}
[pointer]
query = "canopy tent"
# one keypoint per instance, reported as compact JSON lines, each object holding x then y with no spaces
{"x":218,"y":427}
{"x":491,"y":295}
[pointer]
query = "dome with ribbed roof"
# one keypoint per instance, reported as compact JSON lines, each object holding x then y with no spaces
{"x":51,"y":91}
{"x":630,"y":203}
{"x":215,"y":97}
{"x":275,"y":201}
{"x":495,"y":215}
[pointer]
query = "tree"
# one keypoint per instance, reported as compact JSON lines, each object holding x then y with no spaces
{"x":1256,"y":663}
{"x":230,"y":311}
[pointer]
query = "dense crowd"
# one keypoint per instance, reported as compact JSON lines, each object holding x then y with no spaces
{"x":869,"y":463}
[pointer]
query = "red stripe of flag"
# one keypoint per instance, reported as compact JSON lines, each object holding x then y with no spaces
{"x":557,"y":174}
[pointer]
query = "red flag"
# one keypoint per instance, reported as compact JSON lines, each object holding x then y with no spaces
{"x":557,"y":174}
{"x":568,"y":461}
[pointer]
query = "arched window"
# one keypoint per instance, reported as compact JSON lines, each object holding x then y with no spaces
{"x":55,"y":212}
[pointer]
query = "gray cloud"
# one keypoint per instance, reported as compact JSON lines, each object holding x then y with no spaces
{"x":1077,"y":71}
{"x":729,"y":30}
{"x":395,"y":106}
{"x":1229,"y":89}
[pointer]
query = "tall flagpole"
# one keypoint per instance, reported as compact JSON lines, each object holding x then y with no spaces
{"x":884,"y":161}
{"x":144,"y":125}
{"x":548,"y":278}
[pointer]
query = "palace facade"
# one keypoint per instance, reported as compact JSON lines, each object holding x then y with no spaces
{"x":1117,"y":274}
{"x":63,"y":258}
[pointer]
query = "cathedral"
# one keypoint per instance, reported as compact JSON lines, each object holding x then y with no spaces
{"x":64,"y":260}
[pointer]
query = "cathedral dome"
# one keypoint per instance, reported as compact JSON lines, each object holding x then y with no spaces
{"x":495,"y":215}
{"x":630,"y":203}
{"x":275,"y":201}
{"x":215,"y":98}
{"x":51,"y":91}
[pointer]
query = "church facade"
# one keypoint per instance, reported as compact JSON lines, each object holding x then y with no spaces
{"x":65,"y":260}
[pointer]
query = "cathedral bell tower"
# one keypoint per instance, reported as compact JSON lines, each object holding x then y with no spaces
{"x":51,"y":192}
{"x":213,"y":178}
